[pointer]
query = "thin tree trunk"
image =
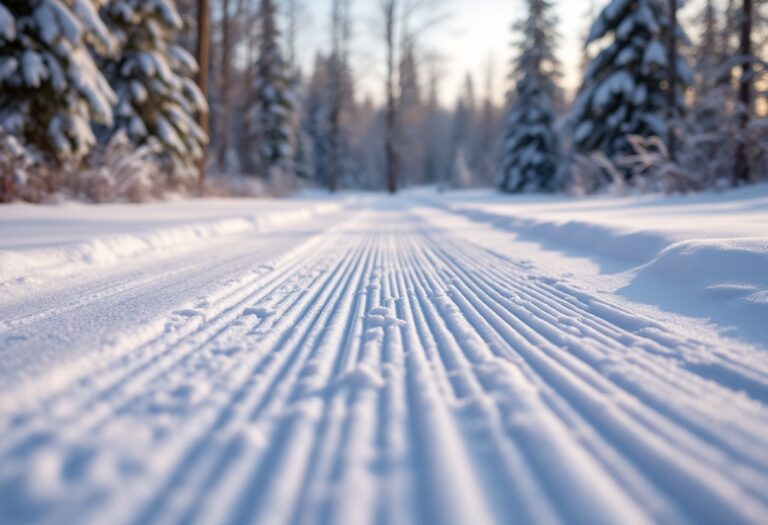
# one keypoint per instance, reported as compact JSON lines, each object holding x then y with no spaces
{"x":745,"y":92}
{"x":335,"y":94}
{"x":390,"y":118}
{"x":203,"y":49}
{"x":672,"y":80}
{"x":224,"y":86}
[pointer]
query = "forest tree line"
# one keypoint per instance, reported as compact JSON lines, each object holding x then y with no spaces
{"x":105,"y":100}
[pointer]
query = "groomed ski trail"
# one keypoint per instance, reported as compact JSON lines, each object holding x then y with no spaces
{"x":380,"y":367}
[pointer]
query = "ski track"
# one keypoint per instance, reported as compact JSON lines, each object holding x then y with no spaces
{"x":377,"y":369}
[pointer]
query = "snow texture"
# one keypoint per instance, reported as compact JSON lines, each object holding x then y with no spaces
{"x":459,"y":359}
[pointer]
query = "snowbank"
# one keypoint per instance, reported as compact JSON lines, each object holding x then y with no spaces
{"x":44,"y":243}
{"x":704,"y":255}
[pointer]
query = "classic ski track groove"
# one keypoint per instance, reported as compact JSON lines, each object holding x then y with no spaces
{"x":436,"y":380}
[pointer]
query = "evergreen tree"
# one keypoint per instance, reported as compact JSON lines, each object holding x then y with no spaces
{"x":463,"y":144}
{"x":488,"y":131}
{"x":340,"y":99}
{"x":51,"y":91}
{"x":302,"y":161}
{"x":152,"y":77}
{"x":325,"y":95}
{"x":460,"y":130}
{"x":437,"y":133}
{"x":532,"y":158}
{"x":410,"y":118}
{"x":316,"y":119}
{"x":623,"y":92}
{"x":272,"y":112}
{"x":712,"y":125}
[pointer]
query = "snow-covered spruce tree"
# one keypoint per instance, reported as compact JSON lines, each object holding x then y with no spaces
{"x":461,"y":170}
{"x":272,"y":115}
{"x":303,"y":155}
{"x":623,"y":91}
{"x":410,"y":118}
{"x":712,"y":138}
{"x":152,"y":77}
{"x":315,"y":122}
{"x":50,"y":88}
{"x":532,"y":157}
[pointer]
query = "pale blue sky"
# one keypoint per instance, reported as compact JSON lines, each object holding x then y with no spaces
{"x":474,"y":33}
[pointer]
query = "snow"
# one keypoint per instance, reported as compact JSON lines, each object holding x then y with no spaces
{"x":7,"y":24}
{"x":428,"y":358}
{"x":43,"y":244}
{"x":32,"y":68}
{"x":667,"y":251}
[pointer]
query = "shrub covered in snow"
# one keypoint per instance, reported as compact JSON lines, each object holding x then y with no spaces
{"x":119,"y":171}
{"x":22,"y":175}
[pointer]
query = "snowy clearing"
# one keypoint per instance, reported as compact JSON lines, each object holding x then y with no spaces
{"x":463,"y":358}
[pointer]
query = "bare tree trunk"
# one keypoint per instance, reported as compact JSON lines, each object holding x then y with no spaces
{"x":245,"y":143}
{"x":339,"y":37}
{"x":203,"y":49}
{"x":672,"y":80}
{"x":390,"y":151}
{"x":741,"y":171}
{"x":225,"y":92}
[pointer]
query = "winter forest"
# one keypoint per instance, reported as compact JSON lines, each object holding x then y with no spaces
{"x":107,"y":100}
{"x":383,"y":262}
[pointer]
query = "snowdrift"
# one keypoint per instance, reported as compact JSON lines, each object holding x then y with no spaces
{"x":704,"y":255}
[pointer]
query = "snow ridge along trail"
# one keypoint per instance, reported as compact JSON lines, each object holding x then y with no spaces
{"x":379,"y":367}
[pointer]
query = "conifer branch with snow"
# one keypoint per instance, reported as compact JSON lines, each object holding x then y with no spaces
{"x":271,"y":119}
{"x":623,"y":92}
{"x":152,"y":76}
{"x":532,"y":157}
{"x":51,"y":91}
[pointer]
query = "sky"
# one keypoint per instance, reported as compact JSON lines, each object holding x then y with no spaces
{"x":473,"y":34}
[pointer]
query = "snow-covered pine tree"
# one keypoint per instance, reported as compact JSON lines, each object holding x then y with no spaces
{"x":302,"y":161}
{"x":462,"y":140}
{"x":532,"y":157}
{"x":623,"y":91}
{"x":51,"y":91}
{"x":315,"y":123}
{"x":437,"y":132}
{"x":272,"y":115}
{"x":151,"y":75}
{"x":339,"y":96}
{"x":711,"y":141}
{"x":410,"y":118}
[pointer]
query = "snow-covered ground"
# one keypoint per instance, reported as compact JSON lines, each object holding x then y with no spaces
{"x":463,"y":358}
